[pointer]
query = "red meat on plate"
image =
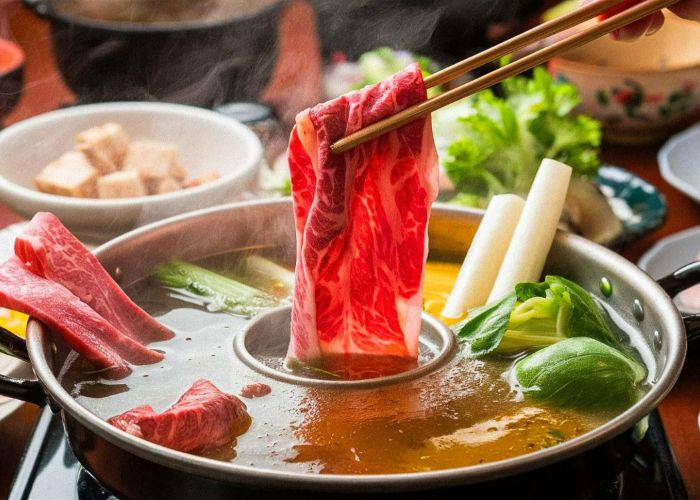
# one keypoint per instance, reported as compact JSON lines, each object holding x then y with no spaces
{"x":361,"y":224}
{"x":80,"y":327}
{"x":52,"y":252}
{"x":203,"y":418}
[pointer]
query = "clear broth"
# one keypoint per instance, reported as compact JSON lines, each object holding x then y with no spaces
{"x":465,"y":413}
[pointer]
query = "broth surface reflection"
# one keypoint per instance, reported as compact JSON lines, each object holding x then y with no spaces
{"x":464,"y":413}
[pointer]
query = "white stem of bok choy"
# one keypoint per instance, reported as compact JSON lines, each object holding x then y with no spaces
{"x":218,"y":292}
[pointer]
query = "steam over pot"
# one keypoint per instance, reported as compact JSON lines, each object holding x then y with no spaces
{"x":203,"y":63}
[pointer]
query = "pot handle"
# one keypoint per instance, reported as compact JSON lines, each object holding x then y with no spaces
{"x":676,"y":282}
{"x":40,"y":7}
{"x":17,"y":388}
{"x":692,"y":326}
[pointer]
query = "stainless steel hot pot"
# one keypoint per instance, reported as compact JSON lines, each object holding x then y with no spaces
{"x":133,"y":468}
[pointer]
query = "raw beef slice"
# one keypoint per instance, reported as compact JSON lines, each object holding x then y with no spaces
{"x":203,"y":418}
{"x":52,"y":252}
{"x":361,"y":225}
{"x":79,"y":326}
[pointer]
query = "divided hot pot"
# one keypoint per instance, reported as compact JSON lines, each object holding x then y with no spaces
{"x":132,"y":467}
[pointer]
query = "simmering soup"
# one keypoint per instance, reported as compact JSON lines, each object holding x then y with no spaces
{"x":463,"y":413}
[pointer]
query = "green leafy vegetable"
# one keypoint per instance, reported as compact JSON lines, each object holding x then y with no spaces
{"x":578,"y":360}
{"x":502,"y":140}
{"x":275,"y":182}
{"x":586,"y":319}
{"x":381,"y":63}
{"x":220,"y":292}
{"x":483,"y":330}
{"x":539,"y":318}
{"x":580,"y":372}
{"x":285,"y":187}
{"x":553,"y":310}
{"x":536,"y":315}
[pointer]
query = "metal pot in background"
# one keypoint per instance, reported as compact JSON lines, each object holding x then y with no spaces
{"x":131,"y":467}
{"x":446,"y":30}
{"x":201,"y":63}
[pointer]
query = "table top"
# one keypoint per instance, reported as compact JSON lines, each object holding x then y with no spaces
{"x":45,"y":91}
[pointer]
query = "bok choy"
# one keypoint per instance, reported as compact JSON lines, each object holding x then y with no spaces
{"x":577,"y":360}
{"x":265,"y":274}
{"x":580,"y":372}
{"x":536,"y":315}
{"x":217,"y":292}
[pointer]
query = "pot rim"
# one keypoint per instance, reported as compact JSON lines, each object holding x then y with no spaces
{"x":117,"y":27}
{"x":227,"y":471}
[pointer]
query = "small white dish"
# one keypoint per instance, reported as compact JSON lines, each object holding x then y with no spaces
{"x":679,"y":162}
{"x":207,"y":141}
{"x":670,"y":254}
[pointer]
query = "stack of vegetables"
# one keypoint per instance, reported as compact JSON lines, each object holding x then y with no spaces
{"x":566,"y":352}
{"x":575,"y":360}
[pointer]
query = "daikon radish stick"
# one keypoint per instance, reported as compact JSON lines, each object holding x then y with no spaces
{"x":535,"y":231}
{"x":485,"y":255}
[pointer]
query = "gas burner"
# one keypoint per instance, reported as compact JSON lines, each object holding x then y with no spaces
{"x":89,"y":488}
{"x":50,"y":470}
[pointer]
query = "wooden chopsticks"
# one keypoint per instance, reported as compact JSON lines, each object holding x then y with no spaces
{"x":540,"y":32}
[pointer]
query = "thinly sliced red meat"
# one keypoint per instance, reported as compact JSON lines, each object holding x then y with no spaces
{"x":256,"y":390}
{"x":79,"y":326}
{"x":203,"y":418}
{"x":361,"y":223}
{"x":51,"y":251}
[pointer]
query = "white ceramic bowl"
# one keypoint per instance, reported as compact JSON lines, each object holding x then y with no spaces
{"x":679,"y":162}
{"x":641,"y":91}
{"x":207,"y":141}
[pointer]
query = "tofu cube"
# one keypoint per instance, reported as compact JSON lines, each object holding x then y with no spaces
{"x":105,"y":146}
{"x":167,"y":185}
{"x":209,"y":176}
{"x":123,"y":184}
{"x":70,"y":175}
{"x":155,"y":161}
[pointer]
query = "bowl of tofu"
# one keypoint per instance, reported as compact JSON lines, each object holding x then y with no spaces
{"x":106,"y":168}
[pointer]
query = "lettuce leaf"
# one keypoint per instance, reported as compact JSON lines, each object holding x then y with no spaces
{"x":382,"y":62}
{"x":502,"y":140}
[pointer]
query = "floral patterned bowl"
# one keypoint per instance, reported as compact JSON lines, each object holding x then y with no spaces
{"x":642,"y":91}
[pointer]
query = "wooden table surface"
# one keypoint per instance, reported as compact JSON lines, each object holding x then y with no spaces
{"x":44,"y":91}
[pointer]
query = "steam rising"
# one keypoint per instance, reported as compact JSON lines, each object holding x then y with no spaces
{"x":445,"y":30}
